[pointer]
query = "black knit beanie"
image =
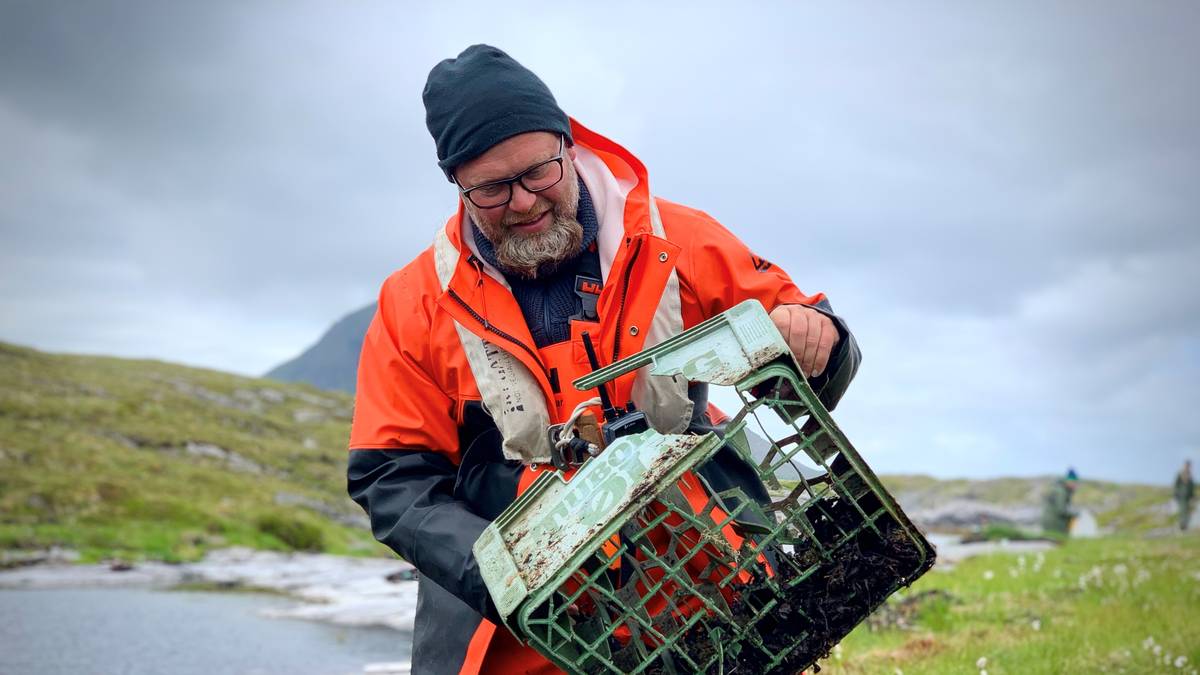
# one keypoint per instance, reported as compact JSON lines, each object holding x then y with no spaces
{"x":481,"y":98}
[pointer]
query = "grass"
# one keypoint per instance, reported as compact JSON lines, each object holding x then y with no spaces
{"x":129,"y":459}
{"x":1116,"y":605}
{"x":996,"y":532}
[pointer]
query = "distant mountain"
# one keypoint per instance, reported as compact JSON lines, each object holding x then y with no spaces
{"x":331,"y":363}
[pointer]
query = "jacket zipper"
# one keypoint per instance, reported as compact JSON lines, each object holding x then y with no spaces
{"x":624,"y":292}
{"x":487,"y":326}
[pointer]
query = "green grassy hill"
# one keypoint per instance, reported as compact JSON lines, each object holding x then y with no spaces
{"x":132,"y":459}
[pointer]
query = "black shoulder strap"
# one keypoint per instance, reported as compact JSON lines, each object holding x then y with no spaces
{"x":587,"y":287}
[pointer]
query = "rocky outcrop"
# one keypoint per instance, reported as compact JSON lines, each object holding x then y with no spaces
{"x":959,"y":514}
{"x":335,"y":589}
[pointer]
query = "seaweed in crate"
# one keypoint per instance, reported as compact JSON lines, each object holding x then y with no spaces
{"x":814,"y":612}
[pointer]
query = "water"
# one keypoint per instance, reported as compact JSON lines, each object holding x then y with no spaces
{"x":136,"y":631}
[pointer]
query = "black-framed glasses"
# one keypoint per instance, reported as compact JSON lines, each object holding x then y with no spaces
{"x":541,"y":176}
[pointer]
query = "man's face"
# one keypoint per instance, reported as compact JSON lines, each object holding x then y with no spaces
{"x":534,"y":231}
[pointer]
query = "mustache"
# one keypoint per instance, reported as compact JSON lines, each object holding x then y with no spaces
{"x":539,"y":207}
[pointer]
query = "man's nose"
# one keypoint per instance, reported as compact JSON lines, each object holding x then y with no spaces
{"x":522,"y":199}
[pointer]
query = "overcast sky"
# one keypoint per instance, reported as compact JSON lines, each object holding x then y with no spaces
{"x":1001,"y":198}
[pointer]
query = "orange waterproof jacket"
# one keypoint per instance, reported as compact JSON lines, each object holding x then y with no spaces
{"x":425,"y":461}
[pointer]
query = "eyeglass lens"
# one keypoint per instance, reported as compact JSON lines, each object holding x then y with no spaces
{"x":536,"y":179}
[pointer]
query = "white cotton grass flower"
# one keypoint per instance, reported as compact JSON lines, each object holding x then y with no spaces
{"x":1180,"y":662}
{"x":1157,"y":649}
{"x":988,"y":575}
{"x":1148,"y":642}
{"x":898,"y":672}
{"x":1037,"y":624}
{"x":981,"y":663}
{"x":837,"y":651}
{"x":1093,"y":577}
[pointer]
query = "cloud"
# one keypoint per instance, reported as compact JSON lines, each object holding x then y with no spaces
{"x":999,"y":199}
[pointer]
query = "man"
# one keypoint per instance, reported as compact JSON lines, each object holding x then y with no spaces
{"x":475,"y":343}
{"x":1185,"y":491}
{"x":1056,"y":513}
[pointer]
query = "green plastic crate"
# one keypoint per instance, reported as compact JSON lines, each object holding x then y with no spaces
{"x":615,"y":571}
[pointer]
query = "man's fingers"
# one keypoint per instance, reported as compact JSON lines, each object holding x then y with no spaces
{"x":812,"y":337}
{"x":783,"y":321}
{"x":829,"y":337}
{"x":810,"y":334}
{"x":793,"y":324}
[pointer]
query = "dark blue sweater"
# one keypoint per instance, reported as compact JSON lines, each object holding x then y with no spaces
{"x":550,"y":301}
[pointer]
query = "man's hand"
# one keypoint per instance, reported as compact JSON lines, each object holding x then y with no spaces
{"x":811,"y":335}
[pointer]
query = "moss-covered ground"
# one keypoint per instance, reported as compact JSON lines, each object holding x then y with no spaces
{"x":143,"y":459}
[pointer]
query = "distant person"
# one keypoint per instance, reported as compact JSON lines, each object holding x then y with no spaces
{"x":1056,"y":513}
{"x":1185,"y":491}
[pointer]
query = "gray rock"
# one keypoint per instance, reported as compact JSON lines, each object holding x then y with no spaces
{"x":250,"y":399}
{"x":951,"y":551}
{"x":335,"y":589}
{"x":353,"y":518}
{"x":308,"y":416}
{"x":967,"y":513}
{"x":233,"y":459}
{"x":1085,"y":525}
{"x":55,"y":555}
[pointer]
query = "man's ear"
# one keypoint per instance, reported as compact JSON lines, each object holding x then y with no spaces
{"x":571,"y":152}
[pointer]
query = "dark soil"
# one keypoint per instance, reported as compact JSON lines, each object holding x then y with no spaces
{"x":819,"y":611}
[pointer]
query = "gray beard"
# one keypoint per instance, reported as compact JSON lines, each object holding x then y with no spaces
{"x":536,"y":255}
{"x":540,"y":254}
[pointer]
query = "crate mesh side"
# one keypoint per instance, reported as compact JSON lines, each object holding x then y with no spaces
{"x":739,"y":584}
